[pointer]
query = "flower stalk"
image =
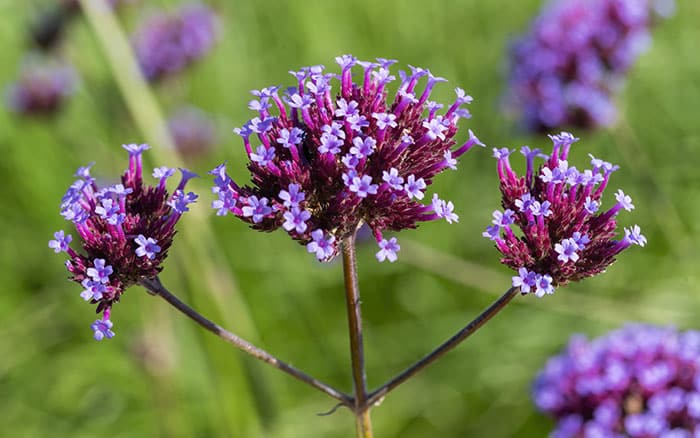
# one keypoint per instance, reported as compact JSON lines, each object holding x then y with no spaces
{"x":155,"y":287}
{"x":357,"y":356}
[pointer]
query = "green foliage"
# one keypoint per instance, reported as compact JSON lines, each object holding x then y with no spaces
{"x":163,"y":376}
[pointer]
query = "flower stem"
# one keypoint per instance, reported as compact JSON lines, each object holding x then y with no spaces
{"x":154,"y":286}
{"x":352,"y":301}
{"x":446,"y":346}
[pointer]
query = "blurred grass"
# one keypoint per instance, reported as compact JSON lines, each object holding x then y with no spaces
{"x":162,"y":376}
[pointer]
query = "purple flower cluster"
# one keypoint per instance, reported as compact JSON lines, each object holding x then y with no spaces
{"x":167,"y":43}
{"x":566,"y":237}
{"x":192,"y":131}
{"x":566,"y":68}
{"x":125,"y":231}
{"x":329,"y":161}
{"x":43,"y":86}
{"x":638,"y":381}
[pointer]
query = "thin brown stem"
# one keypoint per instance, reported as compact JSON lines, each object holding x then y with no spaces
{"x":352,"y":301}
{"x":446,"y":346}
{"x":155,"y":287}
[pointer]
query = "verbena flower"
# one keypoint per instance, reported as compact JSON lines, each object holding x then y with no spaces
{"x":567,"y":236}
{"x":43,"y":86}
{"x":328,"y":160}
{"x":192,"y":131}
{"x":167,"y":43}
{"x":638,"y":381}
{"x":125,"y":231}
{"x":566,"y":68}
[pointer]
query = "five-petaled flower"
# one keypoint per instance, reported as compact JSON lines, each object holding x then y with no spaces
{"x":125,"y":232}
{"x":563,"y":238}
{"x":328,"y":161}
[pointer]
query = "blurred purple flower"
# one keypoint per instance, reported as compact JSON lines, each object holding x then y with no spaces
{"x":565,"y":69}
{"x":166,"y":43}
{"x":638,"y":381}
{"x":345,"y":158}
{"x":43,"y":86}
{"x":563,"y":240}
{"x":125,"y":231}
{"x":192,"y":131}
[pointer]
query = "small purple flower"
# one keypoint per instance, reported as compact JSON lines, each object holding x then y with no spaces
{"x":524,"y":203}
{"x":492,"y":232}
{"x":322,"y":246}
{"x":624,"y":200}
{"x":388,"y":250}
{"x":180,"y":201}
{"x":148,"y":247}
{"x":393,"y":179}
{"x":61,"y":242}
{"x":444,"y":209}
{"x":581,"y":240}
{"x":635,"y":235}
{"x":567,"y":250}
{"x":289,"y":138}
{"x":110,"y":211}
{"x":345,"y":108}
{"x":362,"y":186}
{"x":414,"y":187}
{"x":256,"y":208}
{"x":99,"y":272}
{"x":163,"y":172}
{"x":449,"y":161}
{"x":94,"y":290}
{"x":293,"y":197}
{"x":543,"y":285}
{"x":263,"y":155}
{"x":591,"y":206}
{"x":295,"y":219}
{"x":503,"y":219}
{"x":363,"y":148}
{"x":226,"y":202}
{"x":525,"y":280}
{"x":540,"y":209}
{"x":102,"y":329}
{"x":385,"y":120}
{"x":330,"y":144}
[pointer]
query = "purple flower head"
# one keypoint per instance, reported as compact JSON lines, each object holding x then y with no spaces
{"x":166,"y":43}
{"x":124,"y":232}
{"x":295,"y":219}
{"x":525,"y":280}
{"x":193,"y":132}
{"x":566,"y":68}
{"x":388,"y":250}
{"x":564,"y":238}
{"x":61,"y":242}
{"x":356,"y":152}
{"x":637,"y":381}
{"x":42,"y":88}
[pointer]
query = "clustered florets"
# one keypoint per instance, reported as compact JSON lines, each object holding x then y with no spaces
{"x":639,"y":381}
{"x":167,"y":43}
{"x":329,"y":161}
{"x":125,"y":232}
{"x":565,"y":70}
{"x":565,"y":237}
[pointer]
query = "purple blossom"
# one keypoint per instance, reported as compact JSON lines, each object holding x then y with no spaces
{"x":543,"y":285}
{"x":492,"y":232}
{"x":165,"y":43}
{"x":635,"y":236}
{"x":566,"y":68}
{"x":115,"y":218}
{"x":414,"y":187}
{"x":362,"y":186}
{"x":563,"y":237}
{"x":148,"y":247}
{"x":358,"y":153}
{"x":263,"y":155}
{"x":180,"y":201}
{"x":321,"y":245}
{"x":99,"y":272}
{"x":388,"y":250}
{"x":295,"y":219}
{"x":61,"y":242}
{"x":293,"y":196}
{"x":226,"y":202}
{"x":102,"y":329}
{"x":525,"y":280}
{"x":624,"y":200}
{"x":363,"y":148}
{"x":637,"y":381}
{"x":256,"y":209}
{"x":163,"y":172}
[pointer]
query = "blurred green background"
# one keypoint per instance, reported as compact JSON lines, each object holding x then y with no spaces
{"x":163,"y":376}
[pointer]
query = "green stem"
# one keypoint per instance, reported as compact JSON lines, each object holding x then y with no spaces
{"x":352,"y":301}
